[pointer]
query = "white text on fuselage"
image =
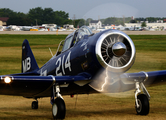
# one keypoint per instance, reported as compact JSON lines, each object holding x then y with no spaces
{"x":61,"y":65}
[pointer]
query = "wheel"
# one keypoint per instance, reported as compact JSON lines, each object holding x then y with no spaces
{"x":143,"y":105}
{"x":59,"y":109}
{"x":35,"y":105}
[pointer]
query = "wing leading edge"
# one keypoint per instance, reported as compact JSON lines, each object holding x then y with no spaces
{"x":34,"y":86}
{"x":149,"y":78}
{"x":129,"y":80}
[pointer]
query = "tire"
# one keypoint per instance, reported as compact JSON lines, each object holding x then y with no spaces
{"x":35,"y":105}
{"x":59,"y":109}
{"x":143,"y":105}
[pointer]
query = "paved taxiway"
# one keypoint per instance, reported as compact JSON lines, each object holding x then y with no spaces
{"x":68,"y":32}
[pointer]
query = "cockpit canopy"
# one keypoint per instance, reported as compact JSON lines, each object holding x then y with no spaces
{"x":73,"y":38}
{"x":84,"y":30}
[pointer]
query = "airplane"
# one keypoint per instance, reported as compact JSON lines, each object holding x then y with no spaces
{"x":76,"y":68}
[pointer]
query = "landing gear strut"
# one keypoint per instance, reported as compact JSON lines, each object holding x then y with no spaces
{"x":141,"y":100}
{"x":58,"y":105}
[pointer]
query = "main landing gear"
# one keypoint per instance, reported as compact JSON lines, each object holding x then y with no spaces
{"x":58,"y":104}
{"x":141,"y":100}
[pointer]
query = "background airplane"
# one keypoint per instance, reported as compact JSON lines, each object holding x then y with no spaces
{"x":85,"y":63}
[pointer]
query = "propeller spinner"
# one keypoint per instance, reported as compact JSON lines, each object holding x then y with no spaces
{"x":118,"y":49}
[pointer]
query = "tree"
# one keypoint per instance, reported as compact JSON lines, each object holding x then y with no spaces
{"x":48,"y":16}
{"x":143,"y":24}
{"x":14,"y":17}
{"x":19,"y":19}
{"x":140,"y":19}
{"x":6,"y":12}
{"x":133,"y":21}
{"x":62,"y":18}
{"x":88,"y":21}
{"x":113,"y":20}
{"x":36,"y":15}
{"x":79,"y":23}
{"x":109,"y":21}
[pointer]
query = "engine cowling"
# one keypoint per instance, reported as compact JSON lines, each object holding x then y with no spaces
{"x":115,"y":51}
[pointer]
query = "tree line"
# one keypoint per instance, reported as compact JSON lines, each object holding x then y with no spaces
{"x":35,"y":16}
{"x":39,"y":16}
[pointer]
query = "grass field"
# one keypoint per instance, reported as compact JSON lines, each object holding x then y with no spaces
{"x":150,"y":56}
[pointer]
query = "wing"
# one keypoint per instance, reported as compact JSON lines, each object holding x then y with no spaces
{"x":127,"y":81}
{"x":41,"y":86}
{"x":34,"y":86}
{"x":149,"y":78}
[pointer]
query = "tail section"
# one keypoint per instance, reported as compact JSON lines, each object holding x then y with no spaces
{"x":28,"y":60}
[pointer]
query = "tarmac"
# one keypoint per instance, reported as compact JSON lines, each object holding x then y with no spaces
{"x":68,"y":32}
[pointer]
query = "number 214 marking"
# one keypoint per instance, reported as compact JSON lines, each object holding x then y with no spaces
{"x":60,"y":62}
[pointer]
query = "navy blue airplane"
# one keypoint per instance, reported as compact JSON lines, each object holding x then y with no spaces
{"x":85,"y":63}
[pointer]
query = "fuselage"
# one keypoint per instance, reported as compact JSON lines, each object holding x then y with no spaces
{"x":90,"y":55}
{"x":79,"y":59}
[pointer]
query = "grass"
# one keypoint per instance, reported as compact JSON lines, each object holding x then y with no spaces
{"x":150,"y":56}
{"x":149,"y":42}
{"x":16,"y":40}
{"x":150,"y":52}
{"x":10,"y":50}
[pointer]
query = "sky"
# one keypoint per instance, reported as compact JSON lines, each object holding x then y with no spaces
{"x":96,"y":9}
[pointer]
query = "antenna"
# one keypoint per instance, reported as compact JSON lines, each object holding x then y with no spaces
{"x":74,"y":17}
{"x":51,"y":52}
{"x":123,"y":20}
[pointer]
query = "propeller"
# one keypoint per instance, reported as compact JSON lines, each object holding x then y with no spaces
{"x":116,"y":53}
{"x":111,"y":84}
{"x":116,"y":50}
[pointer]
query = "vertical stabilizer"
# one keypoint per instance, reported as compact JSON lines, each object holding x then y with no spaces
{"x":28,"y":60}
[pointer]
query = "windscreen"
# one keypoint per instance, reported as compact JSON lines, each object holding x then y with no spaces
{"x":67,"y":43}
{"x":83,"y":31}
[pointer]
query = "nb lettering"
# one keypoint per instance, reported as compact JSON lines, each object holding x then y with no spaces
{"x":26,"y":64}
